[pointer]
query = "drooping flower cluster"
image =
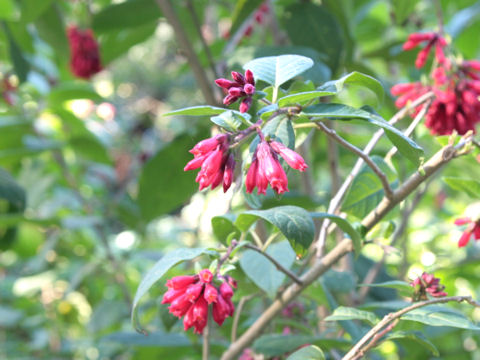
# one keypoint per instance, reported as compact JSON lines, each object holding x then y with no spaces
{"x":243,"y":87}
{"x":456,"y":106}
{"x":266,"y":168}
{"x":191,"y":295}
{"x":427,"y":283}
{"x":215,"y":161}
{"x":84,"y":54}
{"x":473,"y":228}
{"x":258,"y":18}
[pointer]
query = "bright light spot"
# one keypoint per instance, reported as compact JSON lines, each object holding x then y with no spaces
{"x":125,"y":240}
{"x":92,"y":353}
{"x":428,"y":258}
{"x":104,"y":88}
{"x":106,"y":111}
{"x":31,"y":284}
{"x":125,"y":90}
{"x":469,"y":344}
{"x":414,"y":272}
{"x":81,"y":108}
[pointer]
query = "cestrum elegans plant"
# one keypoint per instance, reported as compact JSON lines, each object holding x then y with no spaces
{"x":260,"y":142}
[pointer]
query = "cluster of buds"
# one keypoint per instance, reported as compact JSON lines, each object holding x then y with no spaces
{"x":456,"y":106}
{"x":84,"y":54}
{"x":473,"y":228}
{"x":215,"y":161}
{"x":266,"y":168}
{"x":427,"y":283}
{"x":243,"y":87}
{"x":191,"y":295}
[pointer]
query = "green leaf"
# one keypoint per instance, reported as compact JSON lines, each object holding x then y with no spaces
{"x":32,"y":9}
{"x":348,"y":313}
{"x":276,"y":70}
{"x":262,"y":271}
{"x":20,"y":64}
{"x":366,"y":190}
{"x":72,"y":90}
{"x":416,"y":336}
{"x":345,"y":226}
{"x":276,"y":344}
{"x":469,"y":186}
{"x":357,"y":78}
{"x":113,"y":44}
{"x":294,"y":222}
{"x":156,"y":272}
{"x":311,"y":352}
{"x":155,"y":339}
{"x":281,"y":129}
{"x":7,"y":9}
{"x":243,"y":9}
{"x":163,"y":184}
{"x":338,"y":281}
{"x":405,"y":145}
{"x":51,"y":28}
{"x":89,"y":147}
{"x":228,"y":120}
{"x":433,"y":317}
{"x":205,"y":110}
{"x":131,"y":13}
{"x":223,"y":226}
{"x":403,"y":287}
{"x":303,"y":97}
{"x":313,"y":26}
{"x":403,"y":9}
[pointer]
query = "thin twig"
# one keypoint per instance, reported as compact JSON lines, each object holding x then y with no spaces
{"x":354,"y":351}
{"x":337,"y":199}
{"x":184,"y":42}
{"x":238,"y":312}
{"x":439,"y":14}
{"x":279,"y":267}
{"x":380,"y":174}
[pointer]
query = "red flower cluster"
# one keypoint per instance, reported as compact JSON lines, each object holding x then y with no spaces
{"x":473,"y":228}
{"x":457,"y":88}
{"x":84,"y":54}
{"x":190,"y":296}
{"x":241,"y":87}
{"x":216,"y":163}
{"x":266,"y":168}
{"x":258,"y":17}
{"x":427,"y":283}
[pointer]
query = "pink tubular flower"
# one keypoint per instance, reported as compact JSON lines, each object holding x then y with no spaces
{"x":191,"y":299}
{"x":473,"y":228}
{"x":427,"y":283}
{"x":433,"y":40}
{"x":243,"y":87}
{"x":84,"y":53}
{"x":215,"y":162}
{"x":266,"y":169}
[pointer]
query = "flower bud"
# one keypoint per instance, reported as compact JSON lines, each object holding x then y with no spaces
{"x":210,"y":294}
{"x":206,"y":276}
{"x":239,"y":78}
{"x":193,"y":292}
{"x":180,"y":282}
{"x":226,"y":291}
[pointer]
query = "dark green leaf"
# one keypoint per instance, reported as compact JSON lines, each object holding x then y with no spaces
{"x":223,"y":226}
{"x":32,"y":9}
{"x":276,"y":344}
{"x":405,"y":145}
{"x":356,"y":78}
{"x":366,"y":190}
{"x":262,"y":271}
{"x":228,"y":120}
{"x":403,"y":287}
{"x":163,"y":184}
{"x":311,"y":25}
{"x":152,"y":340}
{"x":303,"y":97}
{"x":51,"y":28}
{"x":20,"y":64}
{"x":169,"y":260}
{"x":345,"y":226}
{"x":127,"y":14}
{"x":433,"y":317}
{"x":294,"y":222}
